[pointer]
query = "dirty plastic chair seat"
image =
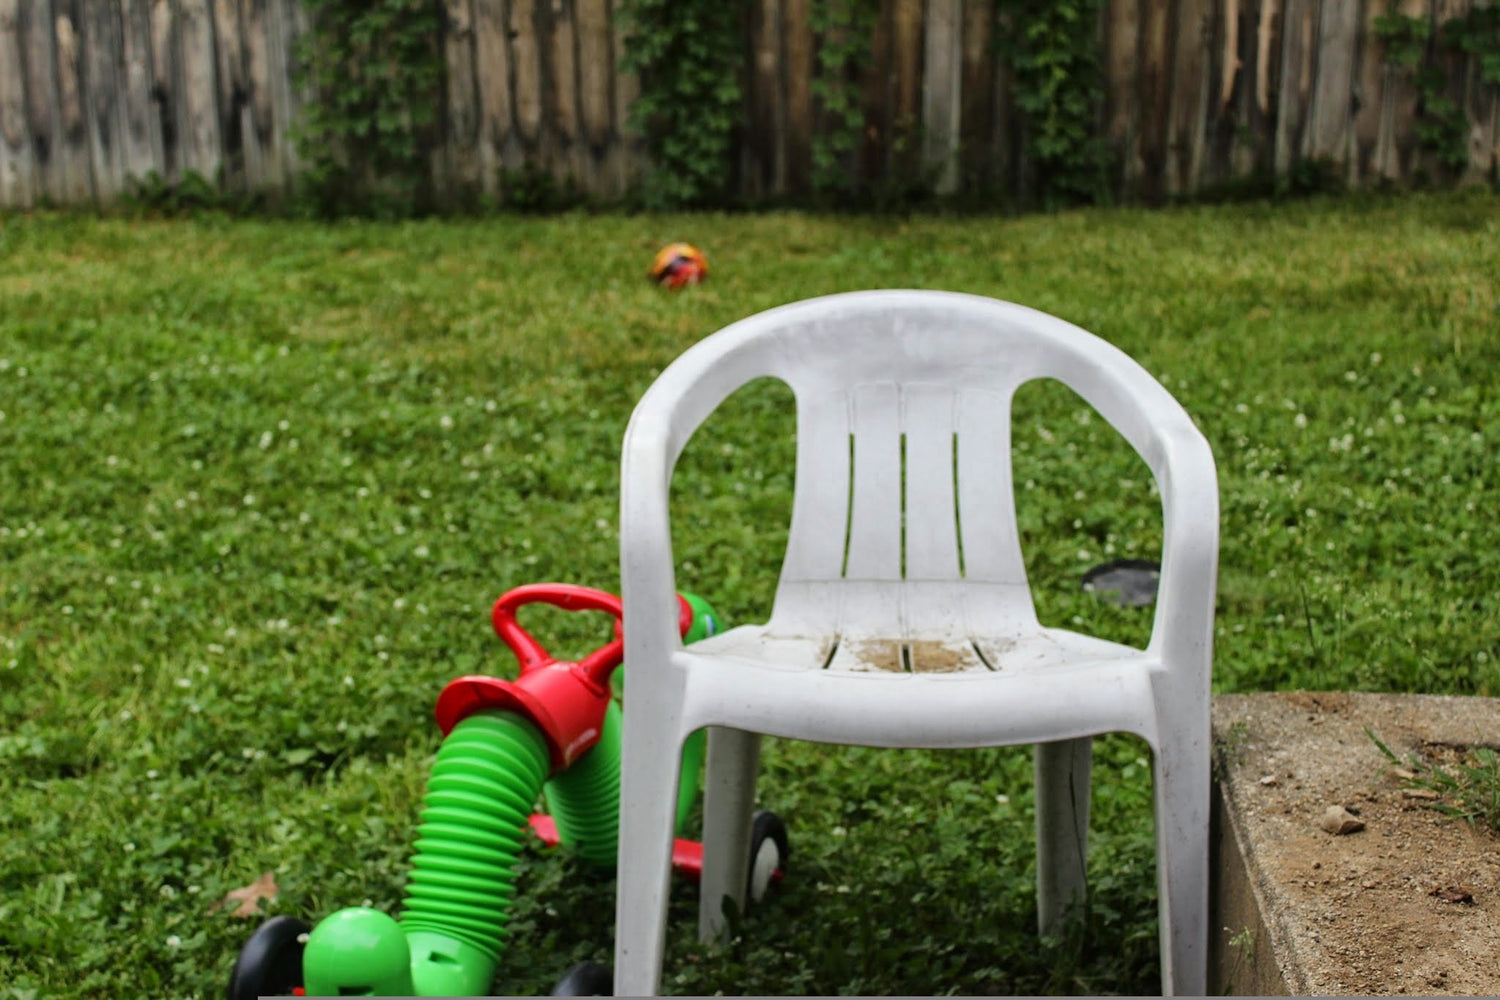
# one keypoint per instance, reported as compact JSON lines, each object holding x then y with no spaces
{"x":903,"y":616}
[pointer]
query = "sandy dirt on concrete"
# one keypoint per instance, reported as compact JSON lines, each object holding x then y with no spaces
{"x":1410,"y":903}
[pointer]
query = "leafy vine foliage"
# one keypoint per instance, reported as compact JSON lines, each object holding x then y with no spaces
{"x":1059,"y":84}
{"x":846,"y":28}
{"x":688,"y":55}
{"x":376,"y":69}
{"x":1442,"y":126}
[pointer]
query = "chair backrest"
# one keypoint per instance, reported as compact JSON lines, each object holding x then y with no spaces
{"x":903,"y":479}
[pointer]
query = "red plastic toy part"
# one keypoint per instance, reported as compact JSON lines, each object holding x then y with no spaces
{"x":566,"y":701}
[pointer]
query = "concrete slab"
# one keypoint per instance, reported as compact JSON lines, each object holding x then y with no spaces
{"x":1408,"y":904}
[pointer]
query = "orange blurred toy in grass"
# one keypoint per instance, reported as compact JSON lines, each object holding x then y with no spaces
{"x":679,"y":264}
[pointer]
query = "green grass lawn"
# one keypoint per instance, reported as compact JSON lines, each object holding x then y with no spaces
{"x":261,"y":481}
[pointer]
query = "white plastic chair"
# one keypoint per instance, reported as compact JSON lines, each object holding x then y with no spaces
{"x":903,"y":616}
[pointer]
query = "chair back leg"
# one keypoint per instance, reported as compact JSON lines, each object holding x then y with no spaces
{"x":728,"y":804}
{"x":1063,"y":775}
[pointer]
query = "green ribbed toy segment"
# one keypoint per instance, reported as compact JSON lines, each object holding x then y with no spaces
{"x":488,"y":774}
{"x":584,"y":800}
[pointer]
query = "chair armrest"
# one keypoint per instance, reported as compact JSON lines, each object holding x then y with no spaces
{"x":664,"y":420}
{"x":1161,"y":432}
{"x":648,"y":580}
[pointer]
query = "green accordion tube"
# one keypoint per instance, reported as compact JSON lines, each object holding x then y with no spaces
{"x":585,"y":799}
{"x":488,"y":774}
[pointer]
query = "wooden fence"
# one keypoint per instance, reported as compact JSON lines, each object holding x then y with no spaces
{"x":1198,"y":94}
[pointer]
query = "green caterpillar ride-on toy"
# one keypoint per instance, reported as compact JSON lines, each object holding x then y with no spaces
{"x":556,"y":728}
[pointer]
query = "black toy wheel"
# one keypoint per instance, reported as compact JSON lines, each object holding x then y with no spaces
{"x":586,"y":979}
{"x":769,"y":849}
{"x":270,"y":964}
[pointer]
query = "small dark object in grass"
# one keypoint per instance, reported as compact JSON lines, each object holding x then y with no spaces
{"x":1130,"y":583}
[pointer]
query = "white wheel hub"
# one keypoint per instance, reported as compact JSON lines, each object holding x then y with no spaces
{"x":765,"y":862}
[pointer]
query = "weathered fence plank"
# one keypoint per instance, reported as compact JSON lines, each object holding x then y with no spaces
{"x":1232,"y":110}
{"x":288,"y":26}
{"x":1221,"y":67}
{"x":566,"y":152}
{"x":140,"y":137}
{"x":1122,"y":34}
{"x":526,"y":59}
{"x":1329,"y":117}
{"x":202,"y":142}
{"x":906,"y":74}
{"x":1298,"y":46}
{"x":977,"y":98}
{"x":1155,"y":96}
{"x":39,"y":82}
{"x":18,"y":173}
{"x":875,"y":99}
{"x":103,"y":50}
{"x":166,"y":87}
{"x":499,"y":144}
{"x":229,"y":51}
{"x":765,"y":145}
{"x":461,"y":125}
{"x":77,"y":181}
{"x":941,"y":83}
{"x":1186,"y":127}
{"x":627,"y":154}
{"x":594,"y":74}
{"x":1483,"y":108}
{"x":263,"y":164}
{"x":797,"y":59}
{"x":1369,"y":90}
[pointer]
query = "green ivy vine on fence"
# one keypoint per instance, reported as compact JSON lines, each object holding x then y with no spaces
{"x":1053,"y":49}
{"x":846,"y":29}
{"x":688,"y":55}
{"x":1442,"y":126}
{"x":376,"y":71}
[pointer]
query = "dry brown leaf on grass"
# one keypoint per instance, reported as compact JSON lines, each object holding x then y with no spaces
{"x":249,"y":897}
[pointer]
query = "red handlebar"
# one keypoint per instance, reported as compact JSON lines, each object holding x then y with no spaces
{"x":569,"y":597}
{"x":567,"y":701}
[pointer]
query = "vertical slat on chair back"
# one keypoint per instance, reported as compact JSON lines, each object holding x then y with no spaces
{"x":986,"y":497}
{"x":931,"y":517}
{"x":875,"y":502}
{"x":816,"y":543}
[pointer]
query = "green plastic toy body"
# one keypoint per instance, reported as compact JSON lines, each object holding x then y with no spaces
{"x":474,"y":822}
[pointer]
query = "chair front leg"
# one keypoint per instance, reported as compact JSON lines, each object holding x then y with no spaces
{"x":648,"y":812}
{"x":1183,"y":797}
